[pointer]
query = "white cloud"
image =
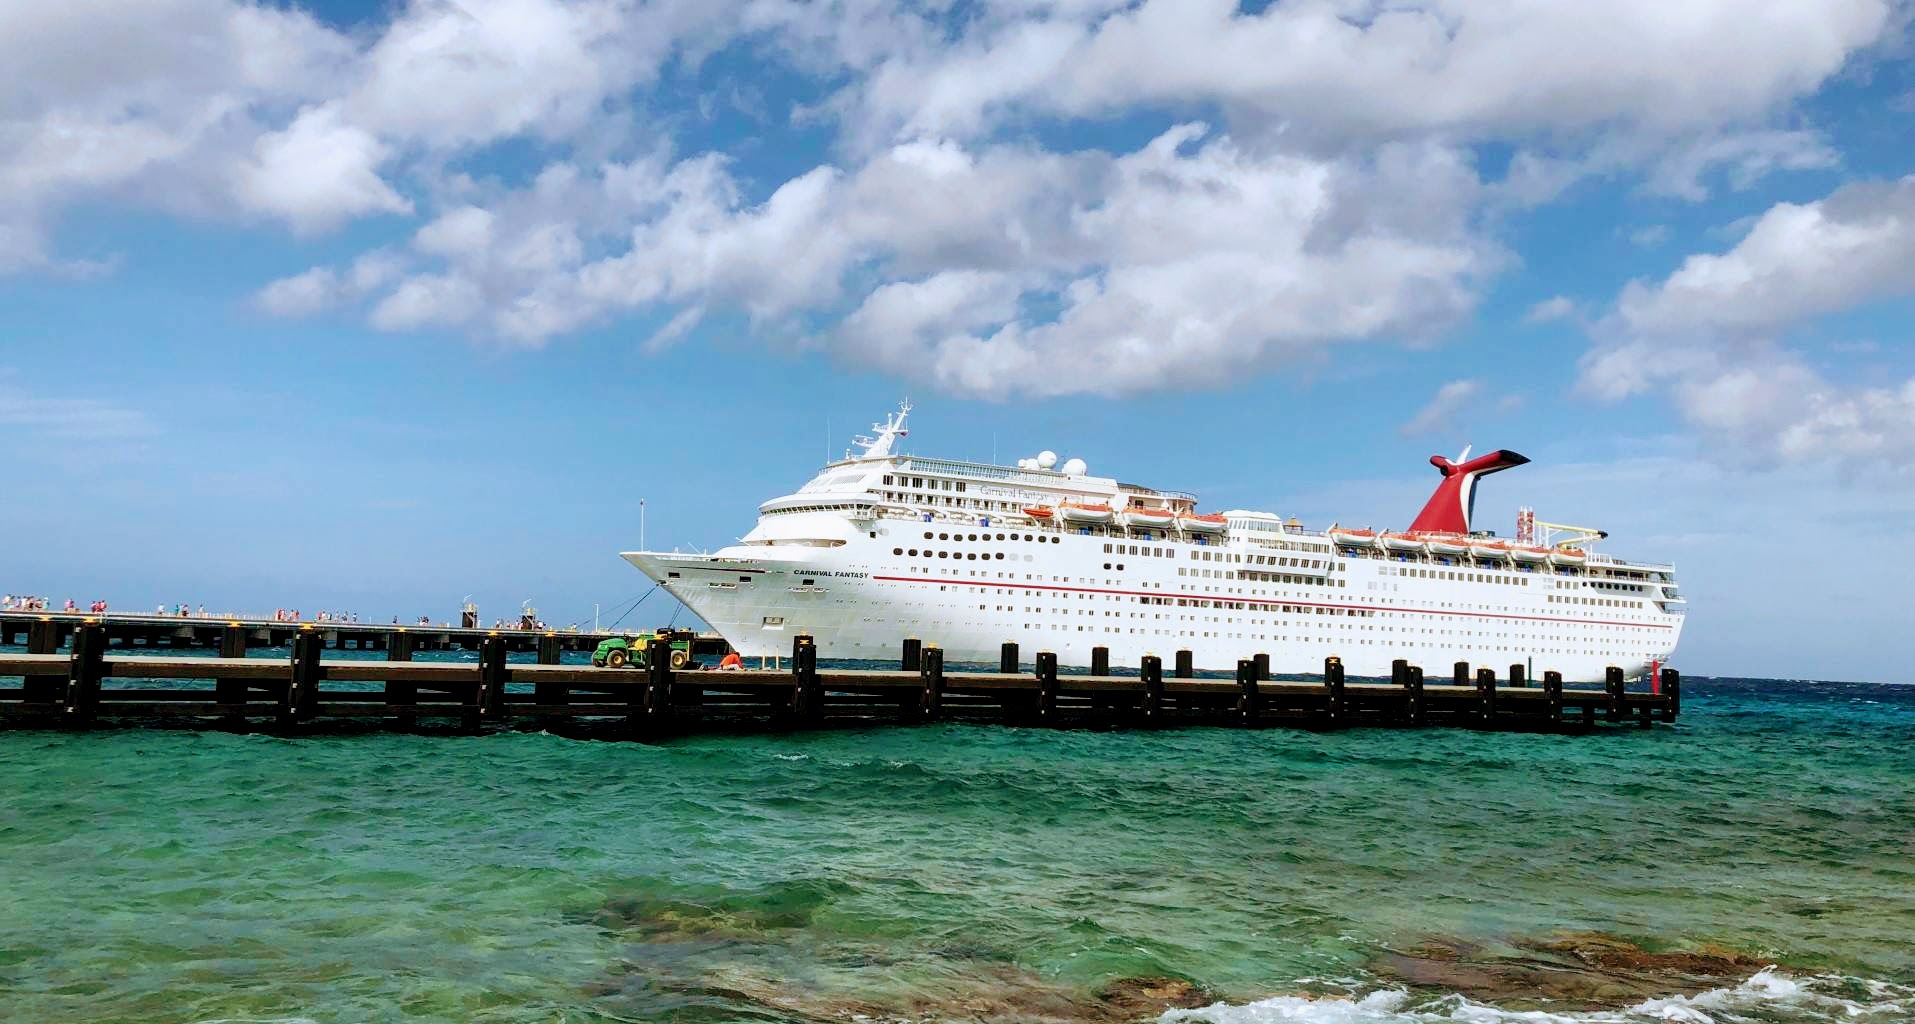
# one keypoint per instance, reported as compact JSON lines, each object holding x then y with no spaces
{"x":1711,"y":333}
{"x":318,"y":172}
{"x":1444,"y":409}
{"x":1556,"y":307}
{"x":84,"y":421}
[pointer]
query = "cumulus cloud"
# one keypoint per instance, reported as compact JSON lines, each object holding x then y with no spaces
{"x":1556,"y":307}
{"x":68,"y":420}
{"x":1444,"y":408}
{"x":1712,"y":334}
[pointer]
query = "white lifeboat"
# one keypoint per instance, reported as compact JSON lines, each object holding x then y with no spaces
{"x":1401,"y":542}
{"x":1194,"y":523}
{"x":1526,"y":553}
{"x":1149,"y":518}
{"x":1352,"y":538}
{"x":1447,"y":545}
{"x":1086,"y":515}
{"x":1490,"y":549}
{"x":1569,"y":556}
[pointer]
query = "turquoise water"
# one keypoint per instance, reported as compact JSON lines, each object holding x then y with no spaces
{"x":964,"y":872}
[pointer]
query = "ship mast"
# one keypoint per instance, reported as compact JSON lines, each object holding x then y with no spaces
{"x":879,"y":447}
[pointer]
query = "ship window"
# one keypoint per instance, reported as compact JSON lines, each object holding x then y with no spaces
{"x":1120,"y":567}
{"x":809,"y":582}
{"x":1107,"y":551}
{"x":927,"y":535}
{"x":1000,"y":536}
{"x":1106,"y":565}
{"x":974,"y":536}
{"x":999,"y":556}
{"x":972,"y":556}
{"x":944,"y":536}
{"x":914,"y":552}
{"x":671,"y":575}
{"x":744,"y":579}
{"x":944,"y":554}
{"x":899,"y":551}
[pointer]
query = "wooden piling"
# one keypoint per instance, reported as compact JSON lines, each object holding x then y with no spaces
{"x":1247,"y":702}
{"x":931,"y":676}
{"x":1553,"y":693}
{"x":1486,"y":693}
{"x":85,"y":668}
{"x":1007,"y":658}
{"x":807,"y":696}
{"x":911,"y":658}
{"x":1612,"y":684}
{"x":489,"y":705}
{"x":1262,"y":662}
{"x":402,"y":694}
{"x":302,"y":686}
{"x":1100,"y":661}
{"x":1461,"y":675}
{"x":659,"y":700}
{"x":1186,"y":665}
{"x":548,"y":694}
{"x":1672,"y":694}
{"x":1333,"y":705}
{"x":1150,"y":710}
{"x":229,"y":691}
{"x":1519,"y":677}
{"x":1413,"y":710}
{"x":43,"y":637}
{"x":1046,"y":710}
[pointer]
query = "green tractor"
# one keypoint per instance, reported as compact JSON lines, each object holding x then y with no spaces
{"x":634,"y":652}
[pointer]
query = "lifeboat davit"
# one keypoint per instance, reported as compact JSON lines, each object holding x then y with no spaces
{"x":1401,"y":542}
{"x":1569,"y":556}
{"x":1039,"y":513}
{"x":1149,"y":518}
{"x":1491,"y":549}
{"x":1352,"y":538}
{"x":1532,"y":555}
{"x":1194,"y":523}
{"x":1447,"y":545}
{"x":1090,"y":515}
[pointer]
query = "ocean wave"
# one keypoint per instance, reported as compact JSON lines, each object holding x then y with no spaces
{"x":1769,"y":996}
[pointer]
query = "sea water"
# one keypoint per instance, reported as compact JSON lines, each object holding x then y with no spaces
{"x":974,"y":872}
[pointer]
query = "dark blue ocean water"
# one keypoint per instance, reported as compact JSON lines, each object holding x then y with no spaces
{"x":957,"y":872}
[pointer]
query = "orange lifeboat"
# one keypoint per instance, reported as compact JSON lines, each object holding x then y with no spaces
{"x":1039,"y":513}
{"x":1083,"y":515}
{"x":1194,"y":523}
{"x":1352,"y":538}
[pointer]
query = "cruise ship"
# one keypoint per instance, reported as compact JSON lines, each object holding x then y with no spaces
{"x":882,"y":545}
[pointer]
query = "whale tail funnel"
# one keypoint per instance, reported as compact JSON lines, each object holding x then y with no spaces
{"x":1450,"y":508}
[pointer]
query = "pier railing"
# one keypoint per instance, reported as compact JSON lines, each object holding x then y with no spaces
{"x":70,"y":689}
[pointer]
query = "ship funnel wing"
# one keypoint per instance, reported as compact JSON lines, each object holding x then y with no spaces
{"x":1450,"y":508}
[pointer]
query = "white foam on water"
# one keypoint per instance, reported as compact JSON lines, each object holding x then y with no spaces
{"x":1766,"y":996}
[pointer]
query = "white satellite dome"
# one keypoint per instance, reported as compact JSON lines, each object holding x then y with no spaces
{"x":1027,"y":463}
{"x":1076,"y":467}
{"x":1046,"y":459}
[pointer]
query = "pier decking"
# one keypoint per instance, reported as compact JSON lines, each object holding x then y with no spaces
{"x":68,"y":689}
{"x":168,"y":631}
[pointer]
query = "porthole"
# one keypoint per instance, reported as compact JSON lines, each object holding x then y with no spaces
{"x":972,"y":556}
{"x":944,"y":554}
{"x":1106,"y":565}
{"x":974,"y":536}
{"x":899,"y":551}
{"x":927,"y":535}
{"x":1000,"y":536}
{"x":944,"y":536}
{"x":914,"y":552}
{"x":999,"y":556}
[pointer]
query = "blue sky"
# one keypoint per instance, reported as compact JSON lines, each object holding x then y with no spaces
{"x":375,"y":306}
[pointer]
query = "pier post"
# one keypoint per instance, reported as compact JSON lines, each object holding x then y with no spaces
{"x":1672,"y":694}
{"x":911,"y":658}
{"x":232,"y":692}
{"x":807,"y":698}
{"x":490,"y":702}
{"x":1413,"y":684}
{"x":1262,"y":662}
{"x":43,"y":637}
{"x":931,"y":671}
{"x":1100,"y":661}
{"x":1151,"y":708}
{"x":1612,"y":684}
{"x":402,"y":694}
{"x":84,"y":671}
{"x":1047,"y":687}
{"x":1246,"y":692}
{"x":302,"y":686}
{"x":1186,"y":665}
{"x":1333,"y":687}
{"x":1519,"y":677}
{"x":659,"y":702}
{"x":1461,"y":676}
{"x":1486,"y":692}
{"x":1553,"y":693}
{"x":1007,"y":658}
{"x":544,"y":693}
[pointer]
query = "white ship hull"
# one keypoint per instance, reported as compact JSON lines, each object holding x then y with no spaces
{"x":884,"y":547}
{"x":863,"y":600}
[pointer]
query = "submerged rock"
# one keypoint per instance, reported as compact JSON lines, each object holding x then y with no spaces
{"x":1583,"y":970}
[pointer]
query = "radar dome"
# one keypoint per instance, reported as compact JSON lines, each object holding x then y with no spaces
{"x":1027,"y":463}
{"x":1046,"y":460}
{"x":1076,"y":467}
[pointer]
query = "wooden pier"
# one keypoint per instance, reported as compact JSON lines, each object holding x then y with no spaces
{"x":286,"y":694}
{"x":51,"y":631}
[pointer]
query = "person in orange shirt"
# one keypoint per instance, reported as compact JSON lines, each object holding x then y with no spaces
{"x":731,"y":662}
